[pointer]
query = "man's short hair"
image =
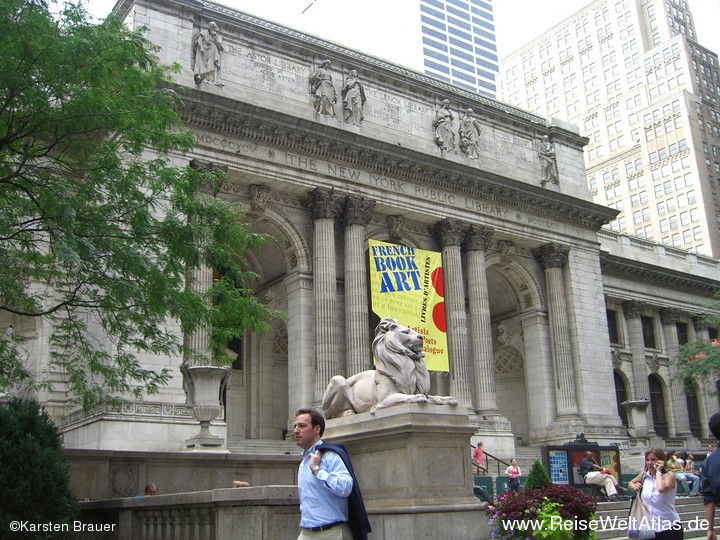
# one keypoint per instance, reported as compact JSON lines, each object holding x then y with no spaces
{"x":714,"y":425}
{"x":316,"y":418}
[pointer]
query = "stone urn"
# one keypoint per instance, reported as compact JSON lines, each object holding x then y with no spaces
{"x":204,"y":387}
{"x":637,"y":417}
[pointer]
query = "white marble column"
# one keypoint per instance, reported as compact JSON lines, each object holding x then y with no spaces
{"x":449,"y":233}
{"x":678,"y":402}
{"x":356,"y":215}
{"x":200,"y":281}
{"x":324,"y":206}
{"x":632,"y":309}
{"x":477,"y":240}
{"x":301,"y":335}
{"x":552,"y":258}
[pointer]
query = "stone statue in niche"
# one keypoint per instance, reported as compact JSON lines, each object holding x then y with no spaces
{"x":470,"y":135}
{"x":400,"y":376}
{"x":444,"y":133}
{"x":208,"y":49}
{"x":353,"y":97}
{"x":323,"y":90}
{"x":548,"y":162}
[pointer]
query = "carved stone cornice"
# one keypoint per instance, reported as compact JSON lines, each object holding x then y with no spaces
{"x":241,"y":120}
{"x":551,"y":255}
{"x":449,"y":232}
{"x":323,"y":204}
{"x":658,"y":276}
{"x":357,"y":210}
{"x":478,"y":237}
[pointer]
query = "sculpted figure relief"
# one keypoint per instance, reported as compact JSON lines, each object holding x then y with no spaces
{"x":323,"y":90}
{"x":548,"y":163}
{"x":444,"y":136}
{"x":208,"y":46}
{"x":400,"y":376}
{"x":353,"y":96}
{"x":470,"y":135}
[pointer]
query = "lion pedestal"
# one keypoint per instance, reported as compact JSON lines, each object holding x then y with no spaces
{"x":413,"y":465}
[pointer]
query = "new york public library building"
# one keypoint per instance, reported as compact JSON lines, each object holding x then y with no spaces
{"x":551,"y":320}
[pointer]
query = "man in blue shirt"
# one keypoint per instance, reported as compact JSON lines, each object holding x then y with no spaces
{"x":710,"y":478}
{"x":324,"y":482}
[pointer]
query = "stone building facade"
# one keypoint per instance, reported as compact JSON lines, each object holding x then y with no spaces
{"x":527,"y":275}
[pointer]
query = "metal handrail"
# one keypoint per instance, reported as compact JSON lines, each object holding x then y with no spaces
{"x":498,"y":461}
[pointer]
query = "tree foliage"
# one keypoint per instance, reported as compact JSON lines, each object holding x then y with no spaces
{"x":698,"y":361}
{"x":34,"y":477}
{"x":538,"y":476}
{"x":102,"y":219}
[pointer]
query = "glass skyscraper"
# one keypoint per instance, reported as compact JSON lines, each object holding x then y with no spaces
{"x":459,"y":45}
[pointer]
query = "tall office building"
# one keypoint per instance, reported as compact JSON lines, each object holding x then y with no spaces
{"x":633,"y":77}
{"x":459,"y":46}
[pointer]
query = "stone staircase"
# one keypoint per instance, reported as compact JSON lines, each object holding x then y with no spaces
{"x":612,"y":518}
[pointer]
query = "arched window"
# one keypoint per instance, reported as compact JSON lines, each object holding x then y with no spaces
{"x":657,"y":403}
{"x":620,"y":396}
{"x":693,"y":410}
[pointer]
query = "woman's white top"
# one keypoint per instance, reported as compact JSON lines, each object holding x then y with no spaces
{"x":661,"y":505}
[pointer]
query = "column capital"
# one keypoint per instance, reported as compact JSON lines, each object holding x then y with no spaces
{"x":449,"y":232}
{"x":357,"y":210}
{"x":551,"y":255}
{"x":477,"y":237}
{"x":323,"y":204}
{"x":669,"y":316}
{"x":699,"y":323}
{"x":632,"y":309}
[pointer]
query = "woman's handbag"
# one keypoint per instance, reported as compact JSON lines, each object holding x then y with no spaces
{"x":639,"y":520}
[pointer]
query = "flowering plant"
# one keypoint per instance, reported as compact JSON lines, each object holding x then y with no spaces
{"x":552,"y":512}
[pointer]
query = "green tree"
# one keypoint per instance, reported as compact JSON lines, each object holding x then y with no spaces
{"x":538,"y":476}
{"x":102,"y":219}
{"x":34,"y":477}
{"x":698,"y":360}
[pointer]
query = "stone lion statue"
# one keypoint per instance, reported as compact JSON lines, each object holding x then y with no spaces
{"x":400,"y":376}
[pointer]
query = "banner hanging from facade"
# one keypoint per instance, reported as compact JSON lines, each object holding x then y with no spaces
{"x":406,"y":284}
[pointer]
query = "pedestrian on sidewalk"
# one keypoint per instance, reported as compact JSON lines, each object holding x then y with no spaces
{"x":710,"y":478}
{"x":656,"y":486}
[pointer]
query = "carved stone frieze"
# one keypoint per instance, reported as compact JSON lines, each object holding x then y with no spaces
{"x":396,"y":226}
{"x":653,"y":363}
{"x":259,"y":195}
{"x":342,"y":147}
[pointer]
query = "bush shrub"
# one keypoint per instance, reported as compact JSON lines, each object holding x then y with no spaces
{"x":540,"y":504}
{"x":538,"y":476}
{"x":34,"y":477}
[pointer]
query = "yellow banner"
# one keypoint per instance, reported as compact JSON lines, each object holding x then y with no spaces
{"x":406,"y":284}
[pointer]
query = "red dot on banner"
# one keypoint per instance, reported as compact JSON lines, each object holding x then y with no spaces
{"x":438,"y":316}
{"x":437,"y":281}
